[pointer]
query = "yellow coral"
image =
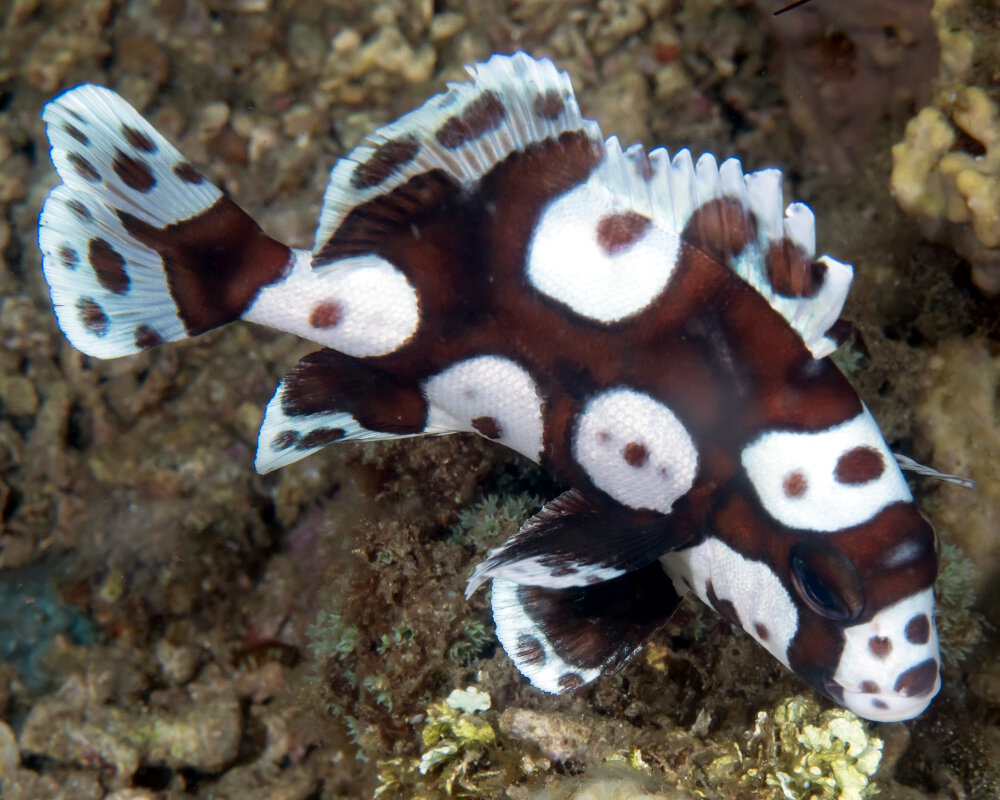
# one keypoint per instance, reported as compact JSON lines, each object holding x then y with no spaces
{"x":946,"y":171}
{"x":797,"y":751}
{"x":454,"y":739}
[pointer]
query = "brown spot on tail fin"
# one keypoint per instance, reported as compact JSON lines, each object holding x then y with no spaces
{"x":138,"y":139}
{"x":216,"y":262}
{"x":134,"y":172}
{"x":109,"y":266}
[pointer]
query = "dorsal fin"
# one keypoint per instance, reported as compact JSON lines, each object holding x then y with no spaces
{"x":512,"y":102}
{"x":742,"y":220}
{"x":737,"y":219}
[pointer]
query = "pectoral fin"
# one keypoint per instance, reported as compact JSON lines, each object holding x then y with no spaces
{"x":561,"y":639}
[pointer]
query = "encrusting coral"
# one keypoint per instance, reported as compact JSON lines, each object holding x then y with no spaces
{"x":946,"y":171}
{"x":958,"y":414}
{"x":802,"y":752}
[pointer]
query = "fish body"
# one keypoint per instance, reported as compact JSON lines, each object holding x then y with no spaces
{"x":652,"y":329}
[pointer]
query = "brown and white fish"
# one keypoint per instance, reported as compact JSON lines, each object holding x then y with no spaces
{"x":653,"y":329}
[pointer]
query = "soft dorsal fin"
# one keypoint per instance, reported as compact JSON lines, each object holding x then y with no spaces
{"x":512,"y":102}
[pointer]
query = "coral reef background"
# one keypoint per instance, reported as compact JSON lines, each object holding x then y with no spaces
{"x":173,"y":625}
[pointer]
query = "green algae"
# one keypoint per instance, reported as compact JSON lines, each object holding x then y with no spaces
{"x":960,"y":626}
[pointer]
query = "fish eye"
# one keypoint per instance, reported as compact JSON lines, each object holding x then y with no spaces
{"x":827,"y":581}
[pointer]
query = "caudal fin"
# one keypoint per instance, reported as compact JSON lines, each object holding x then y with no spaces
{"x":137,"y":247}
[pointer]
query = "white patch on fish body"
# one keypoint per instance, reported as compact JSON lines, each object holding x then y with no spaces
{"x":828,"y":480}
{"x":764,"y":608}
{"x":635,"y":449}
{"x":492,"y":396}
{"x":362,"y":306}
{"x":889,"y":667}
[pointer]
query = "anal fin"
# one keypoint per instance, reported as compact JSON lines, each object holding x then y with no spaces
{"x":561,"y":639}
{"x":331,"y":397}
{"x":575,"y":541}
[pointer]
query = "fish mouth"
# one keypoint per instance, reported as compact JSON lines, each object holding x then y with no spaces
{"x":911,"y":694}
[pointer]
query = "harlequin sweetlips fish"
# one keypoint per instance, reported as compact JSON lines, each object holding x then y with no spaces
{"x":653,"y":330}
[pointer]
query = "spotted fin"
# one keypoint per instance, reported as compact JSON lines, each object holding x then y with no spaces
{"x":331,"y":397}
{"x":561,"y":639}
{"x":454,"y":139}
{"x":137,"y":247}
{"x":573,"y":541}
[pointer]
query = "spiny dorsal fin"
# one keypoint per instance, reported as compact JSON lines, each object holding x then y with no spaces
{"x":742,"y":220}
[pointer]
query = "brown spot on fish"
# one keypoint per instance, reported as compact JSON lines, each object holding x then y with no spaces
{"x":918,"y":630}
{"x":68,"y":256}
{"x":481,"y":116}
{"x":570,"y":680}
{"x":794,"y":484}
{"x":80,"y":210}
{"x":860,"y":465}
{"x":791,"y":272}
{"x":384,"y":162}
{"x":326,"y":314}
{"x":138,"y":139}
{"x":284,"y":440}
{"x":133,"y":172}
{"x":529,"y":650}
{"x":92,"y":316}
{"x":319,"y":437}
{"x":487,"y":426}
{"x":919,"y":680}
{"x":549,"y":105}
{"x":109,"y":266}
{"x":84,"y":168}
{"x":635,"y":454}
{"x":721,"y":228}
{"x":724,"y":608}
{"x":187,"y":173}
{"x":880,"y":646}
{"x":77,"y":134}
{"x":146,"y":337}
{"x":616,"y":233}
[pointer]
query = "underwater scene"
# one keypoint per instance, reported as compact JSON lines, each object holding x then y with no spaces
{"x":668,"y":535}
